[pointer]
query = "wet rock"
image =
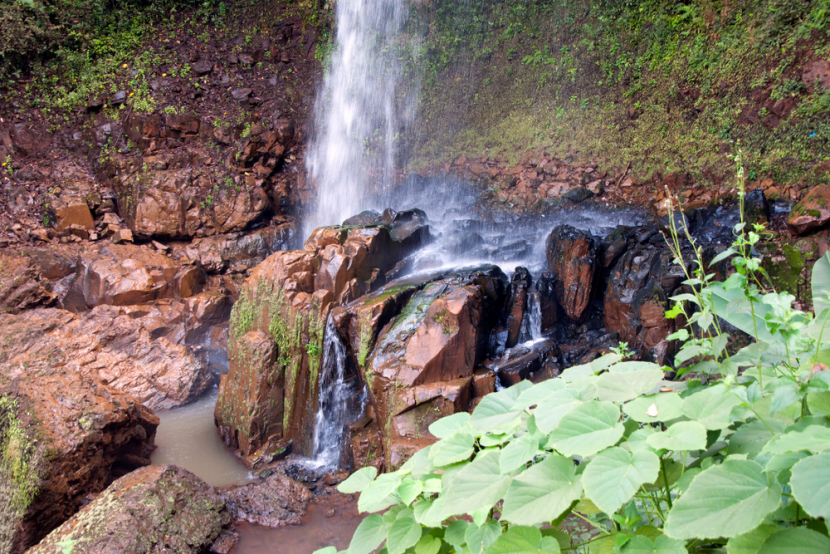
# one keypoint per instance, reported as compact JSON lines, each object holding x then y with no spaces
{"x":67,"y":436}
{"x":250,"y":409}
{"x":21,"y":284}
{"x":424,"y":358}
{"x":812,"y":212}
{"x":545,"y":289}
{"x":367,"y":217}
{"x":756,"y":208}
{"x":202,"y":67}
{"x":217,"y":254}
{"x":276,"y":501}
{"x":577,"y":195}
{"x":241,"y":94}
{"x":572,"y":258}
{"x":106,"y":344}
{"x":463,"y":243}
{"x":152,"y":510}
{"x":71,"y":212}
{"x":637,"y":297}
{"x":366,"y":448}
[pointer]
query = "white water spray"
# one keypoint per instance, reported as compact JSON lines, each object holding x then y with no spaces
{"x":359,"y":111}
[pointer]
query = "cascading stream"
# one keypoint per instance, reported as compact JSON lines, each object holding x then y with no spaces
{"x":359,"y":110}
{"x":335,"y":399}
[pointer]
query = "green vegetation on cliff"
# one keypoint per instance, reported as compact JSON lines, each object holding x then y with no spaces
{"x":665,"y":86}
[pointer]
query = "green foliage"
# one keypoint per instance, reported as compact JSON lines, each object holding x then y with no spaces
{"x":736,"y":461}
{"x":17,"y":450}
{"x":666,"y":86}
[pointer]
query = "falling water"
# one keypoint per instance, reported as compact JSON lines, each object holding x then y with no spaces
{"x":335,"y":395}
{"x":534,"y":318}
{"x":359,"y":110}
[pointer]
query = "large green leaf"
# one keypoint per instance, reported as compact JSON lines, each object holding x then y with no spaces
{"x":622,"y":388}
{"x":820,"y":283}
{"x":819,"y":402}
{"x":537,"y":393}
{"x":543,"y":492}
{"x":428,"y":512}
{"x":810,"y":482}
{"x":750,"y":439}
{"x":524,"y":540}
{"x":446,"y":426}
{"x":815,"y":438}
{"x":479,"y":538}
{"x":453,"y":449}
{"x":684,"y":435}
{"x":478,"y":485}
{"x":553,"y":407}
{"x":614,"y":475}
{"x":661,"y":545}
{"x":376,"y":496}
{"x":751,"y":542}
{"x":494,"y":410}
{"x":741,"y":318}
{"x":724,"y":501}
{"x":369,"y":535}
{"x":358,"y":480}
{"x":712,"y":407}
{"x":455,"y":533}
{"x":428,"y":545}
{"x":587,"y":428}
{"x":518,"y":453}
{"x":664,"y":406}
{"x":798,"y":540}
{"x":409,"y":489}
{"x":404,"y":532}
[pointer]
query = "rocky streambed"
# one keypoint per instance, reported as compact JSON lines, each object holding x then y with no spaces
{"x":336,"y":355}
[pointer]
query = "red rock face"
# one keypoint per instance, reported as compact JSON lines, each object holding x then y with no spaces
{"x":572,"y":258}
{"x":74,"y":436}
{"x":109,"y":345}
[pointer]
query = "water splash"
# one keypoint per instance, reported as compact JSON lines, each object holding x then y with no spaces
{"x":359,"y":111}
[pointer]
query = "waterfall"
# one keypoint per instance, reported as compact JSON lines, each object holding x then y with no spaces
{"x":335,"y":399}
{"x":535,"y":316}
{"x":359,"y":112}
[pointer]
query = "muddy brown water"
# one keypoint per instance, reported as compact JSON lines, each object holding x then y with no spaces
{"x":330,"y":521}
{"x":187,"y":437}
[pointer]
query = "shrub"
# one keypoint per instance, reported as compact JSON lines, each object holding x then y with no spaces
{"x":610,"y":457}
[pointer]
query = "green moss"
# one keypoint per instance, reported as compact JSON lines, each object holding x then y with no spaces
{"x":17,"y":456}
{"x":443,"y":319}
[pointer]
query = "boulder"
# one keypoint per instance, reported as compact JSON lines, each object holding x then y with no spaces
{"x":65,"y":437}
{"x":812,"y":212}
{"x":109,"y":345}
{"x":423,"y":361}
{"x":156,"y":509}
{"x":572,"y":258}
{"x":275,"y":501}
{"x":636,"y":298}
